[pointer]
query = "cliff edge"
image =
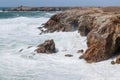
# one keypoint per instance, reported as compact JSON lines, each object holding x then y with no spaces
{"x":101,"y":27}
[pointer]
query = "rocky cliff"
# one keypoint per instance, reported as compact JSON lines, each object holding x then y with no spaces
{"x":101,"y":27}
{"x":76,"y":19}
{"x":104,"y":39}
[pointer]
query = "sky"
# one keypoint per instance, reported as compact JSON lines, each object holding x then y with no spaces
{"x":39,"y":3}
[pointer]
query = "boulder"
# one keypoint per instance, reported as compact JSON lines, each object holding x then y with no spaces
{"x":29,"y":47}
{"x":101,"y":26}
{"x":47,"y":47}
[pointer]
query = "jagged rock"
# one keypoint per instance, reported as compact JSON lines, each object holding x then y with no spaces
{"x":68,"y":55}
{"x":104,"y":40}
{"x":47,"y":47}
{"x":81,"y":19}
{"x":80,"y":51}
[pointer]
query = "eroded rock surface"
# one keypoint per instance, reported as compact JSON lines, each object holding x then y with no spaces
{"x":104,"y":40}
{"x":77,"y":19}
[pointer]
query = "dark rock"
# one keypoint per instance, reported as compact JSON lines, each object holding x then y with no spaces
{"x":47,"y":47}
{"x":80,"y":51}
{"x":77,"y":19}
{"x":68,"y":55}
{"x":20,"y":50}
{"x":112,"y":62}
{"x":29,"y":47}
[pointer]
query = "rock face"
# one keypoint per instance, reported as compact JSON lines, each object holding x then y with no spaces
{"x":104,"y":40}
{"x":80,"y":19}
{"x":100,"y":25}
{"x":47,"y":47}
{"x":77,"y":19}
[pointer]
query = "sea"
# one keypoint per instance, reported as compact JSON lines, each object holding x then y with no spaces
{"x":20,"y":36}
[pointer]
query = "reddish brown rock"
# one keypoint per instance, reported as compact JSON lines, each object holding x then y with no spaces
{"x":47,"y":47}
{"x":104,"y":40}
{"x":77,"y":19}
{"x":29,"y":47}
{"x":81,"y":19}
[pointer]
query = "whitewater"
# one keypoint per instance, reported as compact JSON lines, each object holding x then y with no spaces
{"x":19,"y":30}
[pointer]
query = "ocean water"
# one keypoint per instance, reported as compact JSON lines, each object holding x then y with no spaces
{"x":18,"y":30}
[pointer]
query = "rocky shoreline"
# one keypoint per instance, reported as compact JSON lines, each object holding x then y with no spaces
{"x":100,"y":25}
{"x":27,"y":8}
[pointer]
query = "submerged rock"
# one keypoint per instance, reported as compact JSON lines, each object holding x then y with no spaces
{"x":68,"y":55}
{"x":112,"y":62}
{"x":20,"y":50}
{"x":47,"y":47}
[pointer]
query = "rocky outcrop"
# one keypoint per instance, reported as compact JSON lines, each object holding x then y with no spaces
{"x":77,"y":19}
{"x":27,"y":8}
{"x":104,"y":40}
{"x":101,"y":27}
{"x":47,"y":47}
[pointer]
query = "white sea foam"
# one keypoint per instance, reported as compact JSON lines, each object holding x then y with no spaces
{"x":19,"y":33}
